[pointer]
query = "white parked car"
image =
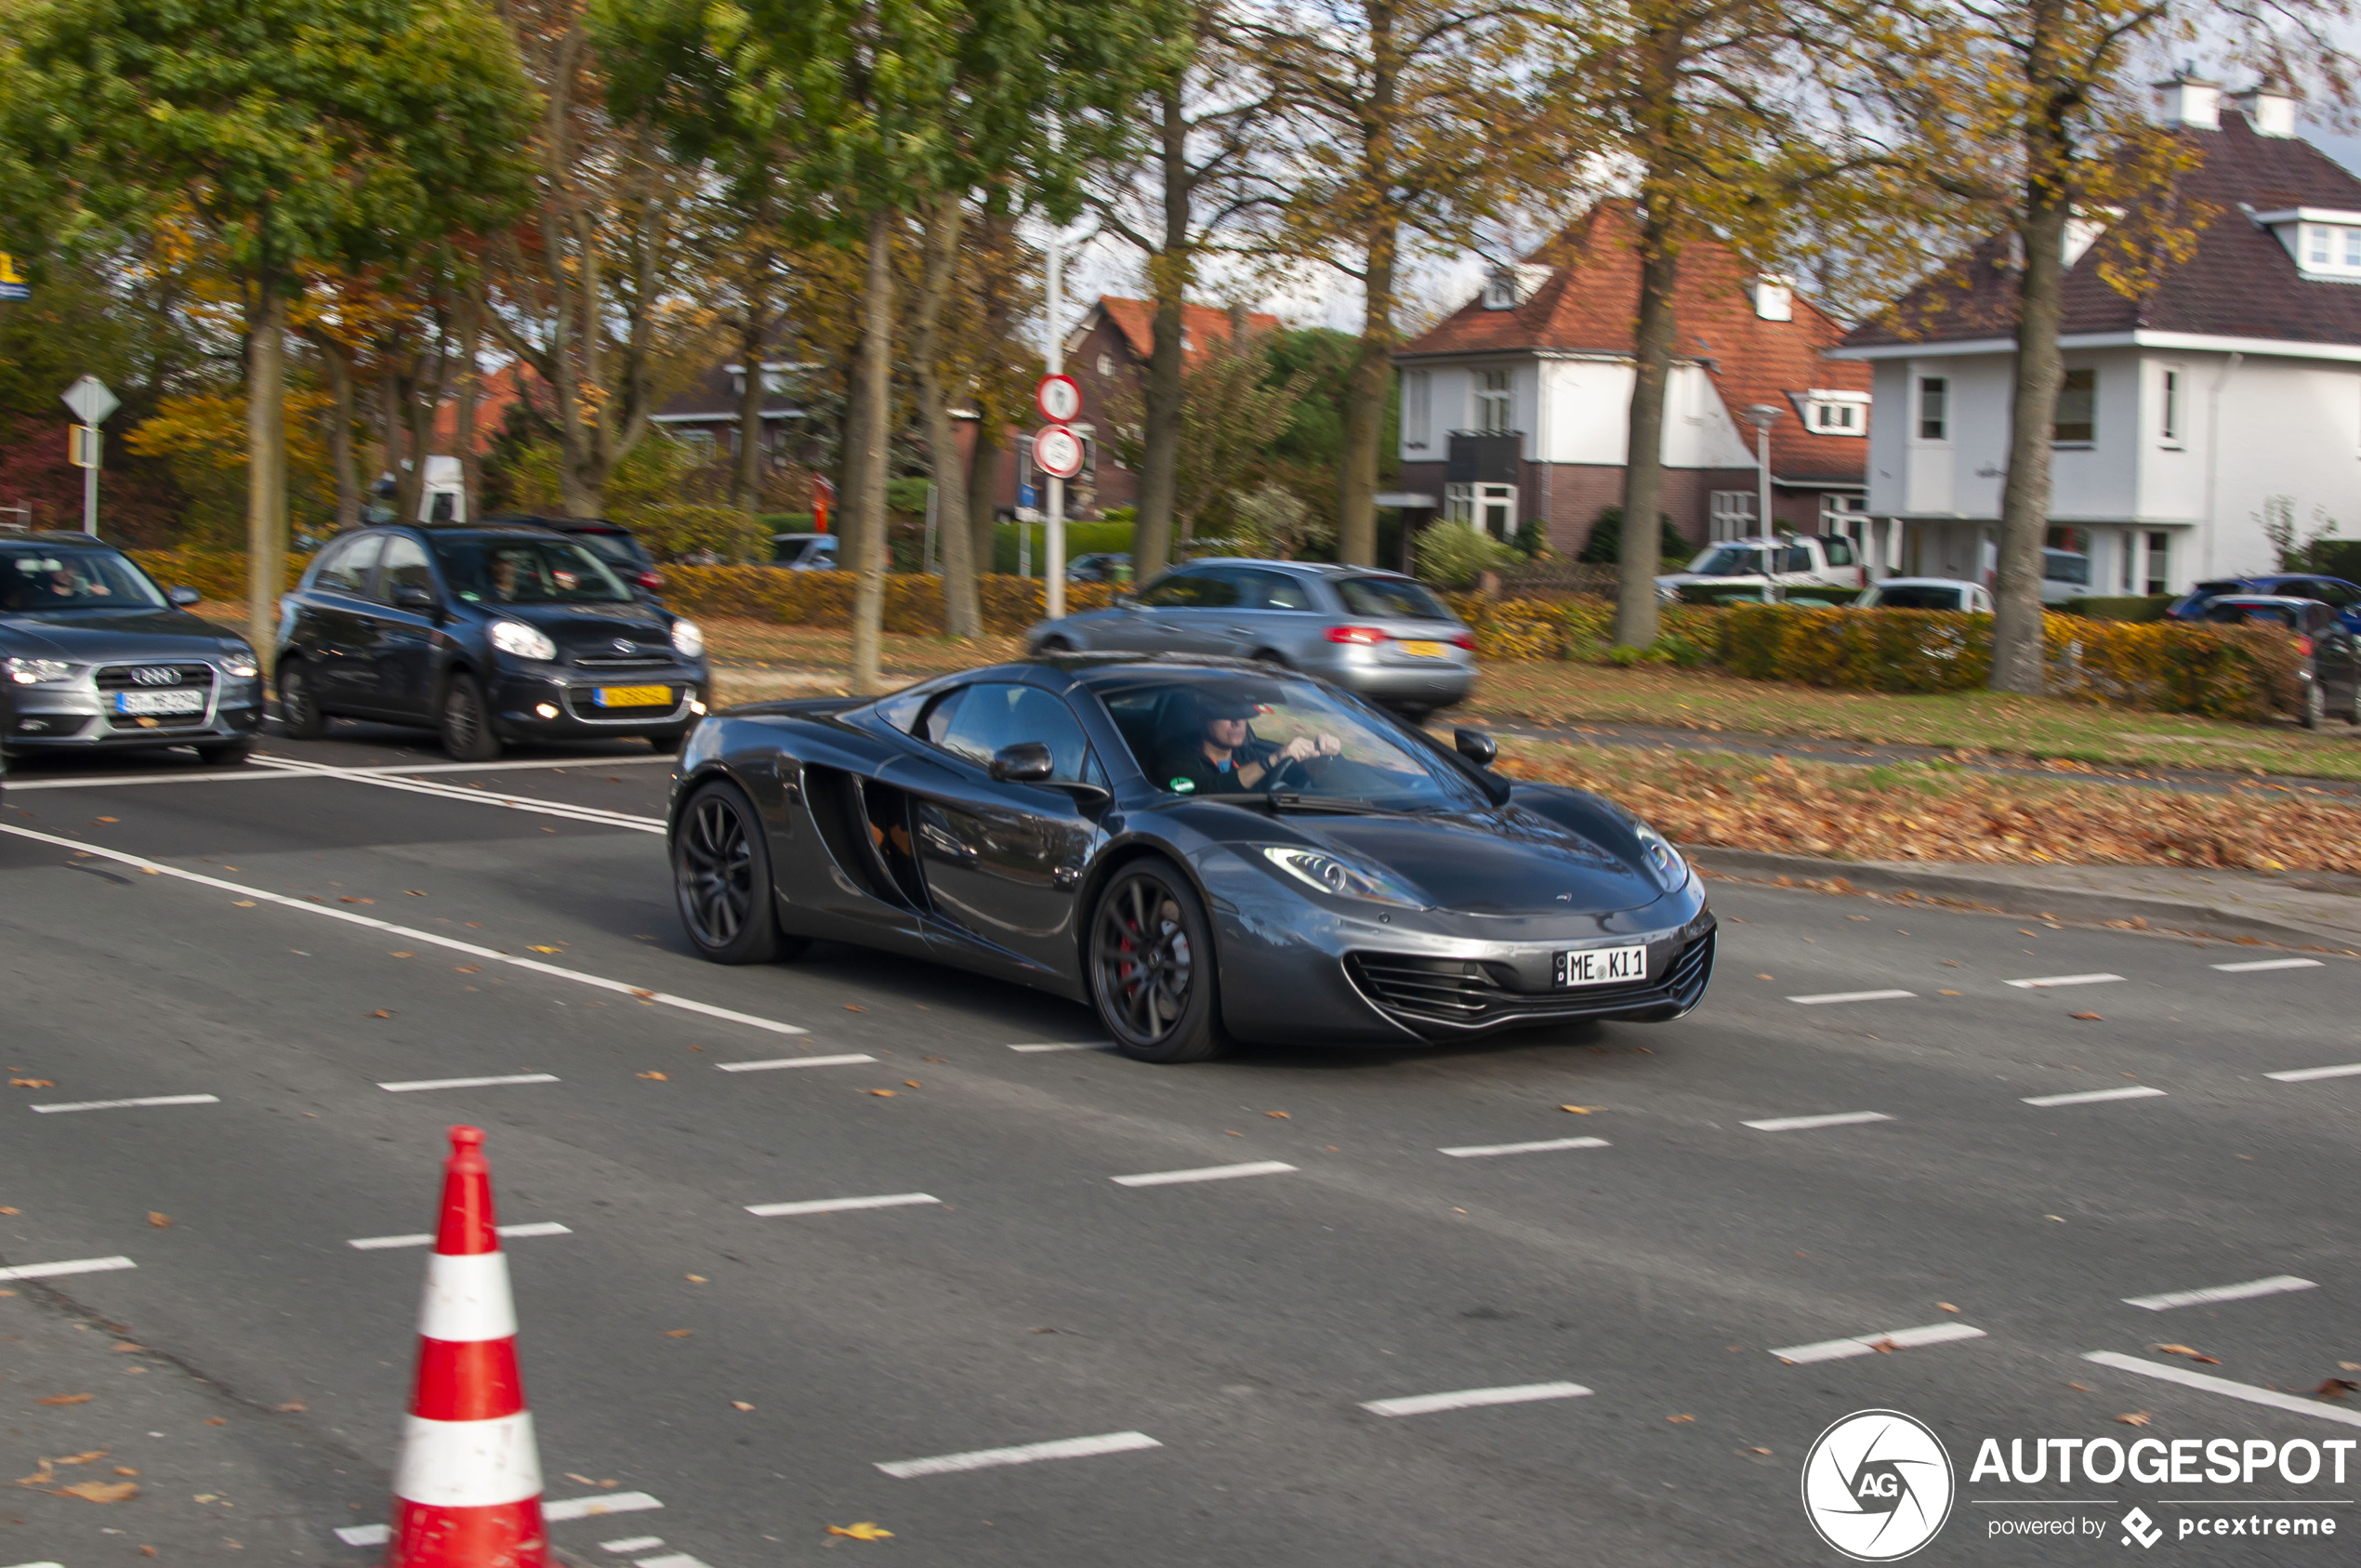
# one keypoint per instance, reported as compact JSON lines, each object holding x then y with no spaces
{"x":1796,"y":561}
{"x":1926,"y":593}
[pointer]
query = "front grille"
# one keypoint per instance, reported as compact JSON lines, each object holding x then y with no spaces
{"x":124,"y":678}
{"x":1469,"y":993}
{"x":624,"y":660}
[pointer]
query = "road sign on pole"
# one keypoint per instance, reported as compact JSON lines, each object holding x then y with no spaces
{"x":91,"y":403}
{"x":1058,"y":451}
{"x":1059,"y":397}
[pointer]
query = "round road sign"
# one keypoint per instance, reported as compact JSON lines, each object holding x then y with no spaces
{"x":1057,"y":452}
{"x":1059,"y":397}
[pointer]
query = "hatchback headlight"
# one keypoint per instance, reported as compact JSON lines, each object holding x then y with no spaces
{"x":687,"y":640}
{"x":35,"y":672}
{"x":1341,"y":878}
{"x":1664,"y":861}
{"x":525,"y":642}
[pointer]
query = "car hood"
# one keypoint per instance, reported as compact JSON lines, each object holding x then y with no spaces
{"x":589,"y":625}
{"x":89,"y":635}
{"x":1508,"y":860}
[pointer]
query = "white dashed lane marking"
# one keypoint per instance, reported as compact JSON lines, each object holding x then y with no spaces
{"x":1853,"y":996}
{"x":778,"y":1062}
{"x":413,"y":1085}
{"x":1804,"y":1123}
{"x":1469,"y":1399}
{"x":598,"y":815}
{"x":2093,"y":1096}
{"x":2262,"y":963}
{"x":57,"y":1271}
{"x":131,"y":1105}
{"x":2048,"y":982}
{"x":1870,"y":1344}
{"x":2212,"y":1385}
{"x":1202,"y":1173}
{"x":632,"y":1544}
{"x":513,"y":1232}
{"x":831,"y":1206}
{"x":1031,"y":1452}
{"x":1480,"y":1151}
{"x":2277,"y":1285}
{"x":2305,"y":1074}
{"x":677,"y":1560}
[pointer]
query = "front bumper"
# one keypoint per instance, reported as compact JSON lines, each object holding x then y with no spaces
{"x":520,"y":697}
{"x":77,"y":714}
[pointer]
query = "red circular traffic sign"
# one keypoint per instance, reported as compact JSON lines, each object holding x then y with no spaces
{"x":1057,"y":452}
{"x":1059,"y":397}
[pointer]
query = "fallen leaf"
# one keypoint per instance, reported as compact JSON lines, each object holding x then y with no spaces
{"x":1766,"y":1450}
{"x":678,"y":1333}
{"x":66,"y":1399}
{"x":101,"y":1490}
{"x":740,"y":1405}
{"x":146,"y":1551}
{"x":32,"y":1083}
{"x":885,"y":1094}
{"x":2343,"y":1366}
{"x":1762,"y":977}
{"x":1227,"y":1133}
{"x":241,"y":904}
{"x":2136,"y":1419}
{"x":217,"y":1421}
{"x":580,"y":1479}
{"x":863,"y":1531}
{"x":110,"y":819}
{"x":128,"y":1346}
{"x":2087,"y":1017}
{"x":2337,"y":1387}
{"x":2186,"y":1350}
{"x":2079,"y":1387}
{"x":161,"y":1221}
{"x":381,"y":1013}
{"x":1579,"y":1110}
{"x":1947,"y":993}
{"x":414,"y":892}
{"x":1884,"y":1346}
{"x":850,"y":1008}
{"x":1677,"y":1419}
{"x":657,"y":1076}
{"x":78,"y":1459}
{"x":125,"y":1469}
{"x":2059,"y":1218}
{"x":642,"y":992}
{"x":402,"y":956}
{"x":467,"y":968}
{"x":292,"y":1407}
{"x":912,"y":1083}
{"x":697,"y":1279}
{"x":10,"y":1211}
{"x":1944,"y":1307}
{"x":534,"y":949}
{"x":349,"y":898}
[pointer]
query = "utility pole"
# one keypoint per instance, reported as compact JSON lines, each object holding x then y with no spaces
{"x":1053,"y":352}
{"x":1763,"y":415}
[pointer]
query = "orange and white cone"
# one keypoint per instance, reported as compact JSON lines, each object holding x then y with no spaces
{"x":466,"y":1491}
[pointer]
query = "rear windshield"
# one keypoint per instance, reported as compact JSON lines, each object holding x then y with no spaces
{"x":1891,"y":598}
{"x":2061,"y":566}
{"x":71,"y":578}
{"x":2282,"y":615}
{"x":528,"y":570}
{"x":1397,"y":597}
{"x":619,"y":550}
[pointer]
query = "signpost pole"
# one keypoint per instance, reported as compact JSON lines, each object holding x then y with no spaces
{"x":91,"y":402}
{"x":90,"y":488}
{"x":1054,"y":545}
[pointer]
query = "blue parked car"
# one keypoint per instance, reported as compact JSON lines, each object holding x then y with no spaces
{"x":2335,"y":592}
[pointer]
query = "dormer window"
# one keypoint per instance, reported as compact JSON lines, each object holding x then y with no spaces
{"x":1501,"y":289}
{"x":1830,"y":412}
{"x":2326,"y":243}
{"x":1773,"y":298}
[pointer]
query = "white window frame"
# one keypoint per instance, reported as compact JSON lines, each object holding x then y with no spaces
{"x":1918,"y":385}
{"x":1471,"y":505}
{"x":2076,"y":444}
{"x":1496,"y":400}
{"x":1500,"y":288}
{"x":2172,"y":406}
{"x":1729,"y":515}
{"x":1417,"y":408}
{"x":1837,"y":416}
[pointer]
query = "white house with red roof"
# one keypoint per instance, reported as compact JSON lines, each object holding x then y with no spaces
{"x":1516,"y":406}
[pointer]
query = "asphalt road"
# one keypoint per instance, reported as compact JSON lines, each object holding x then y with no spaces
{"x":752,"y":1375}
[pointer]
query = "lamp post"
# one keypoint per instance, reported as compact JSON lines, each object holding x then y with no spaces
{"x":1763,"y":415}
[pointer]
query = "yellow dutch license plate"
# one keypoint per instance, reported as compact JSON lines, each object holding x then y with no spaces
{"x":1425,"y":650}
{"x":634,"y":697}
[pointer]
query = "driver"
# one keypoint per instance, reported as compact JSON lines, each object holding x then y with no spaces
{"x":1223,"y":757}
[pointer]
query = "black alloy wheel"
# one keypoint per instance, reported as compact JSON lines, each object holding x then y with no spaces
{"x":722,"y":879}
{"x":299,"y":713}
{"x":466,"y":726}
{"x":1151,"y":967}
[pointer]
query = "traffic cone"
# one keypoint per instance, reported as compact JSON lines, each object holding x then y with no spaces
{"x":467,"y":1492}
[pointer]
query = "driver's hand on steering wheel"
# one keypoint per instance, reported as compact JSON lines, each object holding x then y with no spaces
{"x":1303,"y":748}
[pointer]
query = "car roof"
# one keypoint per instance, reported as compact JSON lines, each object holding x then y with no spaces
{"x":1925,"y":583}
{"x":56,"y":536}
{"x":2272,"y":598}
{"x":783,"y":538}
{"x":481,"y":530}
{"x":1302,"y":568}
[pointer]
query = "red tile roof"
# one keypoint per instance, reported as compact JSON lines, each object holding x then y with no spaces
{"x":1201,"y":326}
{"x":2240,"y":283}
{"x":1591,"y":304}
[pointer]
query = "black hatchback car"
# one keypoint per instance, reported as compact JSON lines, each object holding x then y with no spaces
{"x":487,"y":634}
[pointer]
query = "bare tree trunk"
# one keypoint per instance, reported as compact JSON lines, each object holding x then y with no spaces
{"x":463,"y":432}
{"x":2017,"y":652}
{"x":962,"y":605}
{"x":1365,"y":402}
{"x":1169,"y":270}
{"x":266,"y":463}
{"x":1635,"y":607}
{"x":983,"y":494}
{"x":753,"y":333}
{"x":341,"y":413}
{"x":865,"y":466}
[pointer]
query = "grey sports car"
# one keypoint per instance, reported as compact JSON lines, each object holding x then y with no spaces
{"x":95,"y":657}
{"x":1202,"y":849}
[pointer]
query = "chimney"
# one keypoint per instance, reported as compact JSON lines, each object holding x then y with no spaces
{"x":2269,"y":108}
{"x":2189,"y":100}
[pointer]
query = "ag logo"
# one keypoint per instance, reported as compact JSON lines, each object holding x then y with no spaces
{"x":1877,"y":1486}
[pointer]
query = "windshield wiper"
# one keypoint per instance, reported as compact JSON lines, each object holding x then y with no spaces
{"x":1292,"y":801}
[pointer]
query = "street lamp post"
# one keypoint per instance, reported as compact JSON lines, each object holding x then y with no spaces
{"x":1763,"y":415}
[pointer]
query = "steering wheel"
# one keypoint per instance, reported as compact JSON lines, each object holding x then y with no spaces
{"x":1288,"y":774}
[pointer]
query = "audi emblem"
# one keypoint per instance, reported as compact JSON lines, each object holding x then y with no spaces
{"x":156,"y":676}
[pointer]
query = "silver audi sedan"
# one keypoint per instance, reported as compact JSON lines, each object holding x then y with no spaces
{"x":94,"y":656}
{"x":1377,"y":634}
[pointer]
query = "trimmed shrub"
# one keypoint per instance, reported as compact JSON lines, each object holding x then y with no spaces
{"x":673,"y":530}
{"x":1450,"y":554}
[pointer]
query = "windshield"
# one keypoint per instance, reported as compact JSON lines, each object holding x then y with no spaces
{"x":616,"y":550}
{"x":1728,"y":561}
{"x":65,"y":577}
{"x":526,"y":571}
{"x":2282,"y":615}
{"x":2063,"y":566}
{"x":1916,"y":596}
{"x":1389,"y":596}
{"x":1216,"y":734}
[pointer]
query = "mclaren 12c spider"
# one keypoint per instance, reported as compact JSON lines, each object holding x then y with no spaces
{"x":1203,"y":850}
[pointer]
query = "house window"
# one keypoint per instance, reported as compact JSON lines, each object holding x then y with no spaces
{"x":2075,"y":421}
{"x":1774,"y":300}
{"x":1832,"y":419}
{"x":2169,"y":423}
{"x":773,"y":380}
{"x":1417,"y":404}
{"x":1729,"y":515}
{"x":2159,"y":562}
{"x":702,"y":443}
{"x":1501,"y":289}
{"x":1842,"y":517}
{"x":1489,"y":507}
{"x":1935,"y":404}
{"x":1495,"y":404}
{"x":1106,"y":365}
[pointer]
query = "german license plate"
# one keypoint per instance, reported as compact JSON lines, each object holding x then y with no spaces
{"x":1602,"y":966}
{"x":634,"y":697}
{"x":159,"y":702}
{"x":1426,"y":649}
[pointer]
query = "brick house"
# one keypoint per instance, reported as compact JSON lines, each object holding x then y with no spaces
{"x":1516,"y":406}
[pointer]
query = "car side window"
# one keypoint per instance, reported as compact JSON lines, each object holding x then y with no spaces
{"x":1191,"y":590}
{"x":1798,"y":558}
{"x":992,"y":715}
{"x":405,"y":567}
{"x":1271,"y":591}
{"x":347,"y":571}
{"x":1839,"y":551}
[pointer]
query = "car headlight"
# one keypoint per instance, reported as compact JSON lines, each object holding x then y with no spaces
{"x":1664,"y":861}
{"x":33,"y":672}
{"x":687,"y":640}
{"x":525,"y":642}
{"x":1339,"y":877}
{"x":239,"y":661}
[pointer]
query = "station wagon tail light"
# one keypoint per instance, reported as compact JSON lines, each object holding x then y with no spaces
{"x":1364,"y":637}
{"x":1462,"y":639}
{"x":650,"y":579}
{"x":2304,"y":646}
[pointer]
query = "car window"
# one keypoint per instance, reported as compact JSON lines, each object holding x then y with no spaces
{"x":405,"y":566}
{"x":2235,"y":615}
{"x":1798,"y":558}
{"x":1192,"y":590}
{"x":528,"y":570}
{"x":2329,"y":591}
{"x":977,"y":721}
{"x":1912,"y":595}
{"x":1396,"y":596}
{"x":1267,"y":590}
{"x":71,"y":578}
{"x":1839,"y":551}
{"x":346,"y":566}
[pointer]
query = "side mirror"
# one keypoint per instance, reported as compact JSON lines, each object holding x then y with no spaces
{"x":410,"y":596}
{"x":1475,"y":745}
{"x":182,"y":598}
{"x":1025,"y":762}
